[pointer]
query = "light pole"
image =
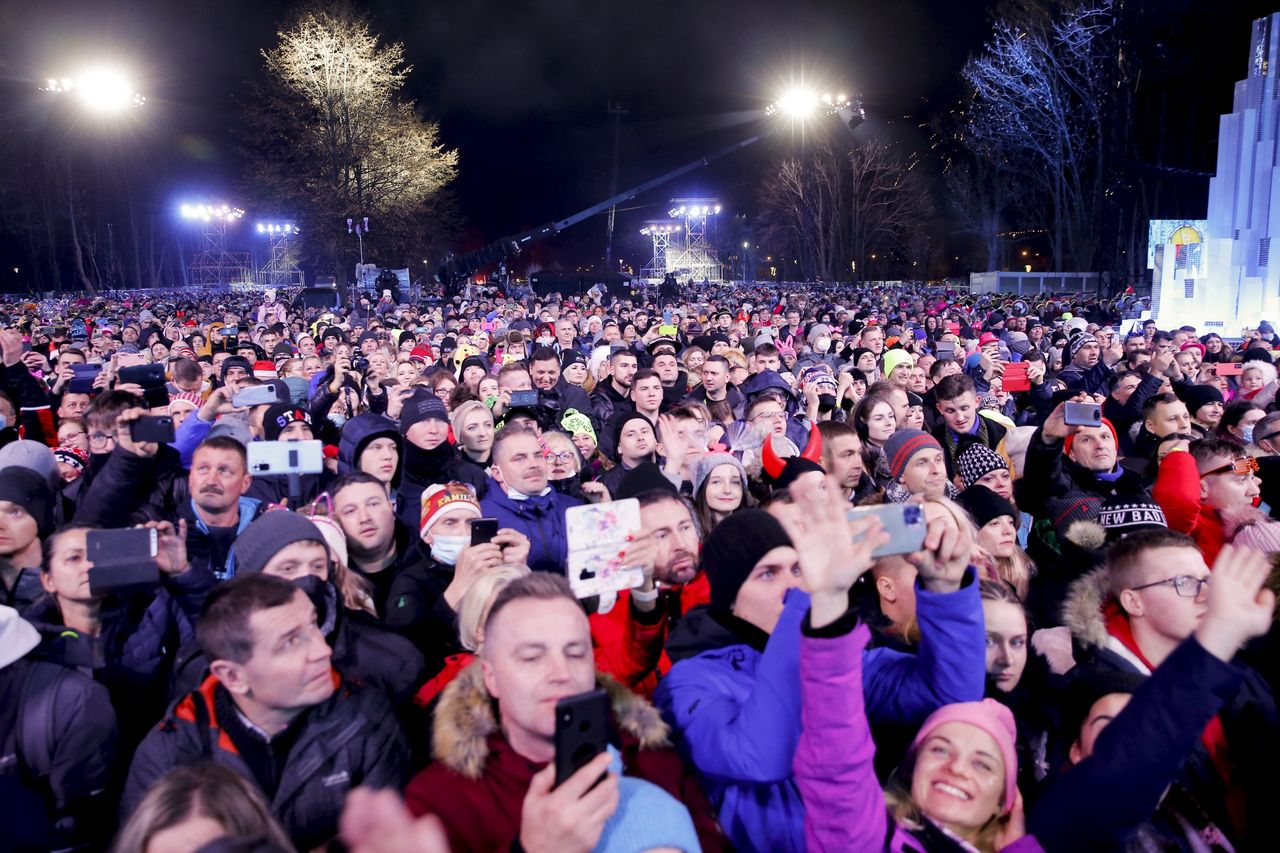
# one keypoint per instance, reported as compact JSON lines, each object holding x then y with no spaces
{"x":358,"y":226}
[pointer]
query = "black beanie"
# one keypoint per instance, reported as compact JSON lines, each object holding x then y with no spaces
{"x":1197,"y":396}
{"x":280,"y":415}
{"x":733,"y":549}
{"x":985,"y":505}
{"x":619,"y":423}
{"x":645,"y":477}
{"x":29,"y":490}
{"x":268,"y":535}
{"x":234,"y":361}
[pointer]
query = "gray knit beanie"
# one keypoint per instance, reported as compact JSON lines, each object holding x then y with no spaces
{"x":268,"y":536}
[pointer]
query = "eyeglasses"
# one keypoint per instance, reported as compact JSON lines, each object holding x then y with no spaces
{"x":770,"y":416}
{"x":1242,"y":466}
{"x":558,"y":457}
{"x":1185,"y":585}
{"x":101,"y":438}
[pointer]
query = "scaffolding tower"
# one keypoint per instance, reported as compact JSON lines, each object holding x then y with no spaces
{"x":213,"y":264}
{"x":696,"y":259}
{"x":281,"y":269}
{"x":660,"y":231}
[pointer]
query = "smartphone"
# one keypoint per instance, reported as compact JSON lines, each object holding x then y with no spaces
{"x":483,"y":530}
{"x":668,"y":330}
{"x":527,"y":399}
{"x":270,"y":458}
{"x":920,"y":334}
{"x":122,"y":560}
{"x":666,"y":315}
{"x":82,"y":378}
{"x":143,"y":375}
{"x":946,"y":351}
{"x":256,"y":395}
{"x":582,"y":731}
{"x":157,"y":428}
{"x":1083,"y":414}
{"x":1229,"y":368}
{"x":905,"y":524}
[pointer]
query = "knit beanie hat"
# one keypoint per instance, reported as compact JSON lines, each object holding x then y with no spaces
{"x":985,"y":505}
{"x":709,"y":462}
{"x":976,"y":461}
{"x":576,"y":423}
{"x":1071,"y":439}
{"x":619,"y":424}
{"x":441,"y":500}
{"x":235,"y":361}
{"x":904,"y":444}
{"x":1121,"y":515}
{"x":1089,"y":683}
{"x":35,"y":455}
{"x":733,"y":549}
{"x":647,"y":818}
{"x":1196,"y":396}
{"x":29,"y":490}
{"x":73,"y":456}
{"x":1070,"y":508}
{"x":334,"y":536}
{"x":895,"y":357}
{"x":994,"y":719}
{"x":422,"y":405}
{"x":1077,"y":341}
{"x":280,"y":415}
{"x":645,"y":477}
{"x":269,"y":535}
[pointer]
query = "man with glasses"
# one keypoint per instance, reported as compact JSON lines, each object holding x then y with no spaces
{"x":768,"y":412}
{"x":1210,"y":485}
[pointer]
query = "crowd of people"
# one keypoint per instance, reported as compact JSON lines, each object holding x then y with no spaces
{"x":1076,"y":653}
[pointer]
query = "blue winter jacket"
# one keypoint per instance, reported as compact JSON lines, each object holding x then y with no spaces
{"x":737,"y":710}
{"x":541,"y":518}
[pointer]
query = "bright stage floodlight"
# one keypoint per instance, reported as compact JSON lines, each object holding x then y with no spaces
{"x":211,"y":212}
{"x":102,"y":90}
{"x":796,"y":103}
{"x":283,"y":229}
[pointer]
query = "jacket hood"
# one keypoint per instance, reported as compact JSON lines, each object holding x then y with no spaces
{"x":17,"y":636}
{"x":467,"y":716}
{"x":702,"y":630}
{"x":767,"y":380}
{"x":356,"y":435}
{"x":1082,"y":610}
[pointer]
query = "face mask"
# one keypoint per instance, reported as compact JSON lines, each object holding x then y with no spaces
{"x":545,"y":340}
{"x":338,"y":420}
{"x":822,"y":344}
{"x":826,"y":402}
{"x":1248,"y":434}
{"x":445,"y":549}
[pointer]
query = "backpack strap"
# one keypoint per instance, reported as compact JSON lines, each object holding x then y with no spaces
{"x":36,"y":728}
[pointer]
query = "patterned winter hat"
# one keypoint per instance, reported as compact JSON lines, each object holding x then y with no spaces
{"x":1125,"y":514}
{"x":1070,"y":508}
{"x":976,"y":461}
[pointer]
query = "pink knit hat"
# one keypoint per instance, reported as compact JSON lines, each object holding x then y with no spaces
{"x":994,"y":719}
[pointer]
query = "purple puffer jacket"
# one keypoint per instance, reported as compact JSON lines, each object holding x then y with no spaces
{"x":845,"y":808}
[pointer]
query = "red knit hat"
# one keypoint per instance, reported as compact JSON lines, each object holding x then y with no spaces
{"x":439,"y":500}
{"x":1066,"y":445}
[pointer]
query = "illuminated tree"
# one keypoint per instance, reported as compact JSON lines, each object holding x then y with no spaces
{"x":1040,"y":98}
{"x":331,"y":136}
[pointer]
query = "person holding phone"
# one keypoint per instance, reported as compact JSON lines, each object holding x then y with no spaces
{"x":492,"y":783}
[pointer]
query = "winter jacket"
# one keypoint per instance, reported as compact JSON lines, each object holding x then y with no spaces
{"x":424,"y":468}
{"x":1177,"y":490}
{"x":31,"y":398}
{"x":736,"y":704}
{"x":605,"y":403}
{"x":987,"y":432}
{"x":356,"y":436}
{"x":1048,"y":473}
{"x":540,"y":518}
{"x":57,"y":740}
{"x":629,"y":643}
{"x":26,"y":589}
{"x":416,"y":608}
{"x":351,"y":739}
{"x":736,"y":399}
{"x":1248,"y":724}
{"x":477,"y":784}
{"x":835,"y":755}
{"x":1093,"y":380}
{"x":1124,"y":415}
{"x":1137,"y":757}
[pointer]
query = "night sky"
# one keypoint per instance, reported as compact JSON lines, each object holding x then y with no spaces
{"x":521,"y":87}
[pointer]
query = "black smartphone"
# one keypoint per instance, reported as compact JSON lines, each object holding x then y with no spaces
{"x":157,"y":428}
{"x":483,"y":530}
{"x":123,"y":560}
{"x":145,"y":375}
{"x":524,"y":399}
{"x":582,"y":731}
{"x":82,"y":378}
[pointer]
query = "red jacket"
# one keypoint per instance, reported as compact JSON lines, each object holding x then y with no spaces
{"x":1177,"y":490}
{"x":477,"y":784}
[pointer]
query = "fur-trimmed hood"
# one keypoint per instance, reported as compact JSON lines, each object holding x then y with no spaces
{"x":1082,"y":611}
{"x":467,"y":715}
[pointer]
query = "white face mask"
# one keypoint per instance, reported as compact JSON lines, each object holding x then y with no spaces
{"x":1248,"y":434}
{"x":822,"y":344}
{"x":445,"y":549}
